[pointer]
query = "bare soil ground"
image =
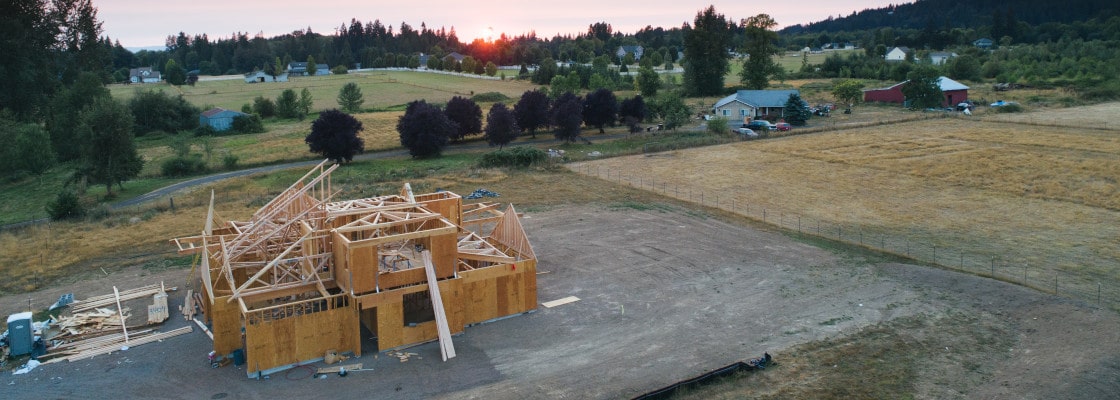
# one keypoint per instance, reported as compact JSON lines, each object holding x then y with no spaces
{"x":667,"y":292}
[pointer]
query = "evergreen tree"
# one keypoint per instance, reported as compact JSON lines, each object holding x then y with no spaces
{"x":797,"y":110}
{"x":173,"y":73}
{"x":350,"y":98}
{"x":705,"y":53}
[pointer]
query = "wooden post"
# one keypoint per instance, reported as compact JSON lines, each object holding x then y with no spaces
{"x":124,"y":326}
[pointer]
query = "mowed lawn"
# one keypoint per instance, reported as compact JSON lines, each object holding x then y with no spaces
{"x":1029,"y":200}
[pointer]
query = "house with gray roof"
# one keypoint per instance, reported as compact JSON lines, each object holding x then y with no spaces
{"x":144,"y":75}
{"x":637,"y":51}
{"x":747,"y":105}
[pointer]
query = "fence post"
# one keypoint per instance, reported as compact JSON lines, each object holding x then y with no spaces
{"x":763,"y":214}
{"x":798,"y":224}
{"x":818,"y":227}
{"x":861,"y":235}
{"x":935,"y":254}
{"x":962,"y":260}
{"x":1098,"y":294}
{"x":839,"y":232}
{"x":908,"y":246}
{"x":1056,"y":282}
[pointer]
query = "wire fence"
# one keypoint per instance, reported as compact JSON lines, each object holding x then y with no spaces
{"x":1063,"y":273}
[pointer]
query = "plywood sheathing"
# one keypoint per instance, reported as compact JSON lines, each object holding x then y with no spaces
{"x":305,"y":272}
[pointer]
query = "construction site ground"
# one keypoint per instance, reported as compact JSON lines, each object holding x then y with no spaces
{"x":666,"y":293}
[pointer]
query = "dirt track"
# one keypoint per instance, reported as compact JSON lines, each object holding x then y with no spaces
{"x":665,"y":294}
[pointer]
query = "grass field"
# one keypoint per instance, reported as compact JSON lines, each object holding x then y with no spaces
{"x":1034,"y":202}
{"x":381,"y":89}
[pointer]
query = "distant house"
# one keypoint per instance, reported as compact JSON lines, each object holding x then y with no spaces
{"x":260,"y":77}
{"x":955,"y":92}
{"x":300,"y":69}
{"x":940,"y":57}
{"x":897,"y":53}
{"x":458,"y":57}
{"x":983,"y":43}
{"x":144,"y":75}
{"x":218,"y":118}
{"x":622,"y":51}
{"x":749,"y":104}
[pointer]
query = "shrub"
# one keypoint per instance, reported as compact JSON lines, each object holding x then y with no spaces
{"x":264,"y":107}
{"x":182,"y":166}
{"x":339,"y":70}
{"x":66,"y":206}
{"x":718,"y":125}
{"x":229,"y":162}
{"x":248,"y":124}
{"x":1009,"y":108}
{"x":489,"y":97}
{"x":154,"y":110}
{"x":520,"y":156}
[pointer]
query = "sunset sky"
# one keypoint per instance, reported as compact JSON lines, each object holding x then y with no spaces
{"x":141,"y":24}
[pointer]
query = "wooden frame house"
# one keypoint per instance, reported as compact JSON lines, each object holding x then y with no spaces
{"x":305,"y":273}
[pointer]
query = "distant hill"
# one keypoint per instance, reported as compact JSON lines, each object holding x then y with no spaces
{"x":963,"y":14}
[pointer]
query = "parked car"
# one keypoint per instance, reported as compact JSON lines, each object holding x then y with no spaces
{"x":783,"y":126}
{"x":748,"y":133}
{"x":761,"y":125}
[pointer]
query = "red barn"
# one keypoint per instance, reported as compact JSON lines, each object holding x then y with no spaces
{"x":955,"y":92}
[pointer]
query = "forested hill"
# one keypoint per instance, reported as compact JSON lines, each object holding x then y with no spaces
{"x":964,"y":14}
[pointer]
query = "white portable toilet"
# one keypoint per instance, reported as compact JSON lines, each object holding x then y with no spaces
{"x":20,"y":337}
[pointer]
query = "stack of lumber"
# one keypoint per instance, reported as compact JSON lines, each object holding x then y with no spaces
{"x":90,"y":322}
{"x":105,"y":344}
{"x":109,"y":299}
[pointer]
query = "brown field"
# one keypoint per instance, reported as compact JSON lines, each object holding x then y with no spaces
{"x":1026,"y":203}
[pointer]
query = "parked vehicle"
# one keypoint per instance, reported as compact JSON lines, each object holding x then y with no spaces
{"x":761,"y":125}
{"x":783,"y":126}
{"x":747,"y":133}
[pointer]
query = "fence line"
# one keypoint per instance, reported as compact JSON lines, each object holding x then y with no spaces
{"x":1044,"y":276}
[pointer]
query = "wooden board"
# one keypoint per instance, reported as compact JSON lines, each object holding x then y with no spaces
{"x":560,"y":302}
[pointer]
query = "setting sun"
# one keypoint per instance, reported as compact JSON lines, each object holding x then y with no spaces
{"x":487,"y":34}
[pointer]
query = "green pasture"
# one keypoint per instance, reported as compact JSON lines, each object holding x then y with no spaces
{"x":382,"y":89}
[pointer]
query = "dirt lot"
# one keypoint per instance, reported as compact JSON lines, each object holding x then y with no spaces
{"x":666,"y":293}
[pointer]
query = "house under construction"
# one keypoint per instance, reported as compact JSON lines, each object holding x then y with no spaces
{"x":304,"y":273}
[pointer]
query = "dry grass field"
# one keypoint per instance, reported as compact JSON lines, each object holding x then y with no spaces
{"x":1026,"y":202}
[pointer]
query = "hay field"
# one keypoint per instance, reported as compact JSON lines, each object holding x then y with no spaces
{"x":1032,"y":202}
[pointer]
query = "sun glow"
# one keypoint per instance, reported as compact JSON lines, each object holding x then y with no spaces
{"x":487,"y":34}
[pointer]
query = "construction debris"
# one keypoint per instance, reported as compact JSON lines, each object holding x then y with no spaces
{"x":480,"y":193}
{"x":402,"y":355}
{"x":339,"y":368}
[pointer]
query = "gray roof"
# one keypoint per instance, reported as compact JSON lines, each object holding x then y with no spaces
{"x":759,"y":98}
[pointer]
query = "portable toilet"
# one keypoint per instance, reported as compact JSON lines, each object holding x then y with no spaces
{"x":20,"y":337}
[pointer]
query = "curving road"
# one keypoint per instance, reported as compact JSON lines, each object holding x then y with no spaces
{"x":168,"y":190}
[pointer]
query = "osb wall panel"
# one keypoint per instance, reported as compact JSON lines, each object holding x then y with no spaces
{"x":270,"y":344}
{"x":498,"y":291}
{"x":225,"y":325}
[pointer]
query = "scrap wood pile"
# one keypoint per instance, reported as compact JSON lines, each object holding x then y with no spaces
{"x":98,"y":325}
{"x":84,"y":324}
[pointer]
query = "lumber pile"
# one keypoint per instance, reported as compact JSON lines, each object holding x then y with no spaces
{"x":110,"y":299}
{"x":91,"y":322}
{"x":83,"y":349}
